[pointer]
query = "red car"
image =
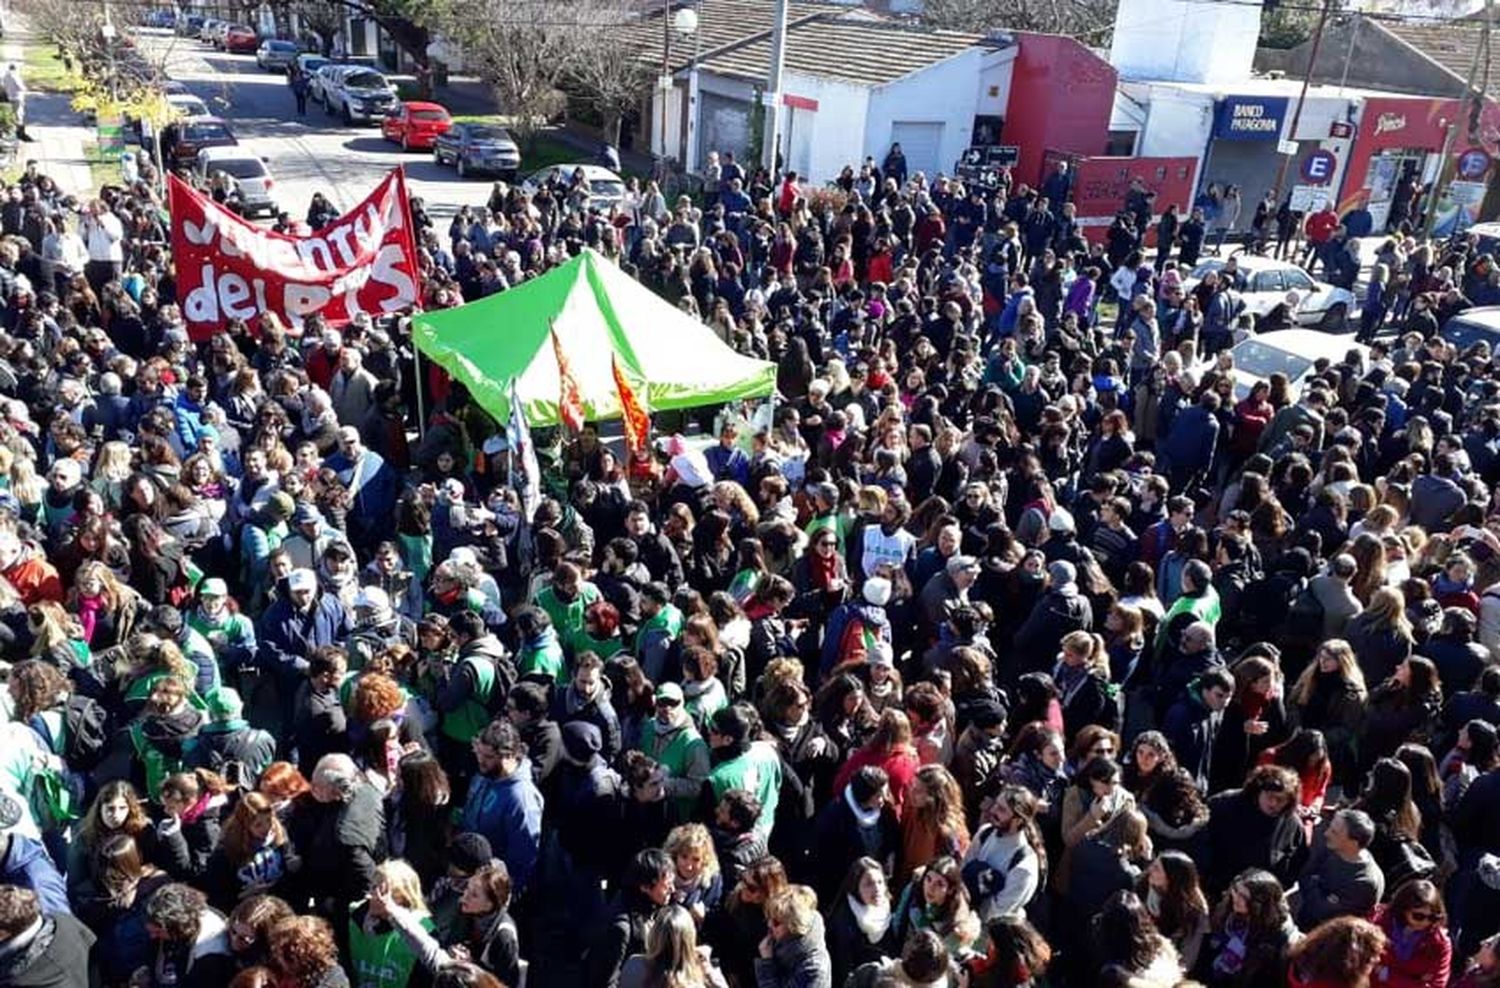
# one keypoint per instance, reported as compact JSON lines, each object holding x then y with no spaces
{"x":241,"y":39}
{"x":415,"y":126}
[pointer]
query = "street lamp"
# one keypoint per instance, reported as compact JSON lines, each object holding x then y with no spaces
{"x":684,"y":23}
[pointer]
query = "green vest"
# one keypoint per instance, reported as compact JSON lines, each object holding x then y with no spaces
{"x":758,"y":770}
{"x":567,"y":616}
{"x":1204,"y":607}
{"x":158,"y":766}
{"x":465,"y":723}
{"x":546,"y":660}
{"x":676,"y":755}
{"x":382,"y":960}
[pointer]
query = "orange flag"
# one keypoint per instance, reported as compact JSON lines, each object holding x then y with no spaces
{"x":570,"y":400}
{"x":635,"y":420}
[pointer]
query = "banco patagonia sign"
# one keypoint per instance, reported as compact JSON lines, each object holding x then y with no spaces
{"x":1249,"y":118}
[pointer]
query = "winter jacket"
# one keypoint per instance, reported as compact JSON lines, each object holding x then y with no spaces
{"x":508,"y":812}
{"x":349,"y":841}
{"x":1192,"y":728}
{"x":287,"y":637}
{"x":1240,"y":836}
{"x":797,"y":962}
{"x":569,"y":706}
{"x":1424,"y":964}
{"x":1054,"y":616}
{"x":839,"y":840}
{"x":25,"y":864}
{"x":223,"y":743}
{"x":55,"y":953}
{"x":621,"y":936}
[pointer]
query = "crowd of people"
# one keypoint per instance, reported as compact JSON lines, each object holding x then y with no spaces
{"x":1014,"y":644}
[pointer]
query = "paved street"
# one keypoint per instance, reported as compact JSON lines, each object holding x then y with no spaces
{"x":316,"y":153}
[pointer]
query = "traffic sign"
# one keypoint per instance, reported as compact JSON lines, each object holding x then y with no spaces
{"x":1473,"y":163}
{"x":1318,"y":167}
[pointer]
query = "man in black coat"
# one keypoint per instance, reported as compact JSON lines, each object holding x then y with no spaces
{"x":1192,"y":724}
{"x":1062,"y":609}
{"x":39,"y":951}
{"x":1256,"y":827}
{"x":349,"y":839}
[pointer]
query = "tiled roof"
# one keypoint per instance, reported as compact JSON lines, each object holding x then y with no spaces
{"x":1450,"y":44}
{"x":861,"y":52}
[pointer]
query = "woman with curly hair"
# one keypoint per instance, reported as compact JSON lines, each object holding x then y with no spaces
{"x":39,"y":690}
{"x":304,"y":954}
{"x":1341,"y":953}
{"x":254,"y":855}
{"x":374,"y":697}
{"x":698,"y":885}
{"x":1251,"y":933}
{"x":1018,"y":955}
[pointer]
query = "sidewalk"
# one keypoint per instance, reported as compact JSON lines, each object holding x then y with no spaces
{"x":59,"y":139}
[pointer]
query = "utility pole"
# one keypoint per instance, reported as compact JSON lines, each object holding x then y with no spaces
{"x":664,"y":84}
{"x":1312,"y":66}
{"x":771,"y":136}
{"x":1443,"y":179}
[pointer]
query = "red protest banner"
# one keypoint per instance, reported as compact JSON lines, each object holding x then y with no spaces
{"x":229,"y":268}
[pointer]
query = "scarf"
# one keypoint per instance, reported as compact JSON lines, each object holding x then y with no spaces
{"x":873,"y":921}
{"x":865,"y":818}
{"x":89,"y":609}
{"x":194,"y":812}
{"x":822,"y":569}
{"x":1254,"y":704}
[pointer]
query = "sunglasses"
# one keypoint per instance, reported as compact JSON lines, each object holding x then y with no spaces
{"x":1422,"y":916}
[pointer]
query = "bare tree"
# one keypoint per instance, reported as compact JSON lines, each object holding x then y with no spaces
{"x":525,"y":49}
{"x":610,"y":80}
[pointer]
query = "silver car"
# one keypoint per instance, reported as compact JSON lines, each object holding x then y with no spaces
{"x":275,"y":54}
{"x":478,"y":147}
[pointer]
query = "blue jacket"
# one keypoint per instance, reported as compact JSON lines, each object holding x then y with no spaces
{"x":286,"y":638}
{"x":1190,"y":443}
{"x":1011,"y":314}
{"x":508,"y":812}
{"x":27,"y":865}
{"x":375,"y":500}
{"x":729,"y":464}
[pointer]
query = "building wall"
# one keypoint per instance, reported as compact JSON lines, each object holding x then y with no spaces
{"x":1178,"y":122}
{"x":1184,"y":40}
{"x":948,"y":93}
{"x":1060,"y":99}
{"x":825,"y":139}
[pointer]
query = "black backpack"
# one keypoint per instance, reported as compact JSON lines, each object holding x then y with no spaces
{"x":85,"y":730}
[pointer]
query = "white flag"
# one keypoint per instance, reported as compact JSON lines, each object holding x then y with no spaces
{"x":523,"y":456}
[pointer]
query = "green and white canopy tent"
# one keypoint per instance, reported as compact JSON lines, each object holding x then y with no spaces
{"x":669,"y":359}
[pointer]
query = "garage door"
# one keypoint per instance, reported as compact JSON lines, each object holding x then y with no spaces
{"x":726,"y":127}
{"x":922,"y":143}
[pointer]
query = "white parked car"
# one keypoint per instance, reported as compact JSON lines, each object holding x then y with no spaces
{"x":251,"y":174}
{"x":605,"y":187}
{"x":323,"y":81}
{"x":1292,"y":352}
{"x":359,"y":95}
{"x":1265,"y":283}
